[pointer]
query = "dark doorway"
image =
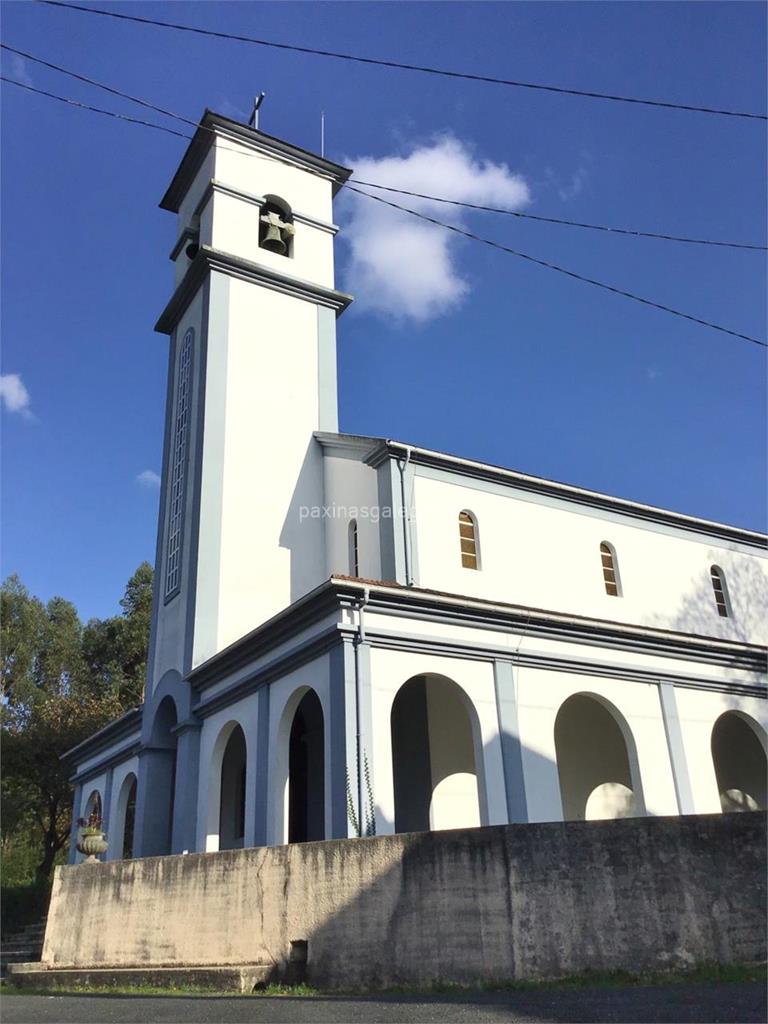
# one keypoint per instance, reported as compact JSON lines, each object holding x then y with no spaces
{"x":306,"y":772}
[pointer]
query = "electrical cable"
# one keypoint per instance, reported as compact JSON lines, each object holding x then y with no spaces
{"x":399,"y":65}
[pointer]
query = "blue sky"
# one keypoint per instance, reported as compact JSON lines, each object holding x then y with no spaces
{"x":522,"y":367}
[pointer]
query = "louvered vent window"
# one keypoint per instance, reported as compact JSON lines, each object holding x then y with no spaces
{"x":610,"y":570}
{"x":179,"y":466}
{"x":468,"y":539}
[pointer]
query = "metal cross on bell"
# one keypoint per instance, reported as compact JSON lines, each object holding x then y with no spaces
{"x":277,"y":234}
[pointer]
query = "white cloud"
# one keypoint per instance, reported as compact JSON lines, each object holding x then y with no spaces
{"x":148,"y":478}
{"x":19,"y":69}
{"x":13,"y":395}
{"x":404,"y":267}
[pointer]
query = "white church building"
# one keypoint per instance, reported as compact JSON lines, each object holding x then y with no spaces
{"x":354,"y":635}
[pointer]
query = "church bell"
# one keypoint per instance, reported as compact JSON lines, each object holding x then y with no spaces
{"x":273,"y":241}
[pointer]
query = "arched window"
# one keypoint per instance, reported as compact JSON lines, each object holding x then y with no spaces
{"x":276,"y":228}
{"x":720,"y":588}
{"x":354,"y":550}
{"x":610,"y":569}
{"x":470,"y":548}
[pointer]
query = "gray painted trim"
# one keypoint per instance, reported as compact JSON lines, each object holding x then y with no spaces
{"x":157,"y":588}
{"x":428,"y":606}
{"x":344,"y":762}
{"x":222,"y":188}
{"x":194,"y":526}
{"x":390,"y":537}
{"x":127,"y":725}
{"x":119,"y":757}
{"x":106,"y":809}
{"x":188,"y":234}
{"x":498,"y":480}
{"x":77,"y":799}
{"x":448,"y":608}
{"x":465,"y":649}
{"x":263,"y":776}
{"x":213,"y":126}
{"x":209,"y":259}
{"x":304,"y":653}
{"x":165,"y":513}
{"x":327,"y":387}
{"x":511,"y":747}
{"x":678,"y":761}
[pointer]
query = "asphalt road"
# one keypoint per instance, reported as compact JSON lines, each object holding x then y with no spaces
{"x":742,"y":1002}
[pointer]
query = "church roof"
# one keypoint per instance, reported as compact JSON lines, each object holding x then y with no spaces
{"x":375,"y":450}
{"x":212,"y":124}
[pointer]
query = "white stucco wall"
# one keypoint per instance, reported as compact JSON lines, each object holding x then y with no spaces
{"x":351,"y":491}
{"x":260,"y":466}
{"x":539,"y":552}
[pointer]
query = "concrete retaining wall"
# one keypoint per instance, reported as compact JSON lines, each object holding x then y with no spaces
{"x":520,"y":901}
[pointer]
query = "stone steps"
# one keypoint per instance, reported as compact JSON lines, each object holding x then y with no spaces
{"x":221,"y":978}
{"x":22,"y":946}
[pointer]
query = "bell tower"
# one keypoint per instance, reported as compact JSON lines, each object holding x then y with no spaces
{"x":252,"y":373}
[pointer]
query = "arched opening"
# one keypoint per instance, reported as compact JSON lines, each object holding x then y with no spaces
{"x":434,"y":741}
{"x":596,"y":762}
{"x":92,"y":815}
{"x":354,"y":550}
{"x":160,"y":765}
{"x":232,"y":792}
{"x":720,"y":591}
{"x":306,"y":772}
{"x":610,"y":569}
{"x":469,"y":543}
{"x":276,"y":229}
{"x":740,"y":763}
{"x":122,"y":830}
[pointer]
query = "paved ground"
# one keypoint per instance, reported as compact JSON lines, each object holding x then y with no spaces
{"x":741,"y":1002}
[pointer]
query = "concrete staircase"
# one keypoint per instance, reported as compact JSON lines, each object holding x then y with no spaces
{"x":23,"y":946}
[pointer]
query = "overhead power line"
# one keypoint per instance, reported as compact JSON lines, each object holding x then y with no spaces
{"x":94,"y":110}
{"x":449,"y":227}
{"x":560,"y":270}
{"x":97,"y":85}
{"x":419,"y":195}
{"x":399,"y":65}
{"x":560,"y":220}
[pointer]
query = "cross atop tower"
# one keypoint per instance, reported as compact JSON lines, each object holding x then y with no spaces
{"x":253,"y":120}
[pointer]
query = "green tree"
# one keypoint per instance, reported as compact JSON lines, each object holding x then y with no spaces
{"x":60,"y":683}
{"x":115,"y":649}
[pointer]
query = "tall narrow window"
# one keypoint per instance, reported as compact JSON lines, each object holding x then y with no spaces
{"x":720,"y":589}
{"x":354,"y":549}
{"x":178,"y":466}
{"x":468,"y":537}
{"x":610,"y":570}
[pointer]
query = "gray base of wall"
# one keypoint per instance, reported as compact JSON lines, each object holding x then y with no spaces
{"x":218,"y":979}
{"x":488,"y":904}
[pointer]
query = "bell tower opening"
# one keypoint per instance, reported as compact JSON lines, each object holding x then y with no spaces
{"x":276,"y":230}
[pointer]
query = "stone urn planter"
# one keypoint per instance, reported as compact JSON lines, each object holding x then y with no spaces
{"x":91,"y":844}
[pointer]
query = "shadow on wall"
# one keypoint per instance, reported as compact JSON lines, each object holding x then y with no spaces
{"x":536,"y":901}
{"x":302,"y":534}
{"x":747,"y":595}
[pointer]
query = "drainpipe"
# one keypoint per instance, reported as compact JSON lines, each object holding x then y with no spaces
{"x":402,"y":466}
{"x":358,"y":746}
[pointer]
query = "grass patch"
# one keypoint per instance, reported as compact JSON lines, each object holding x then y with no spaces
{"x":707,"y":972}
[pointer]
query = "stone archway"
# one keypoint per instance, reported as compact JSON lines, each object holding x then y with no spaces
{"x":434,"y":756}
{"x":306,"y":771}
{"x":738,"y":753}
{"x":596,"y":761}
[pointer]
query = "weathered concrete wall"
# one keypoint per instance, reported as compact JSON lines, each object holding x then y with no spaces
{"x":520,"y":901}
